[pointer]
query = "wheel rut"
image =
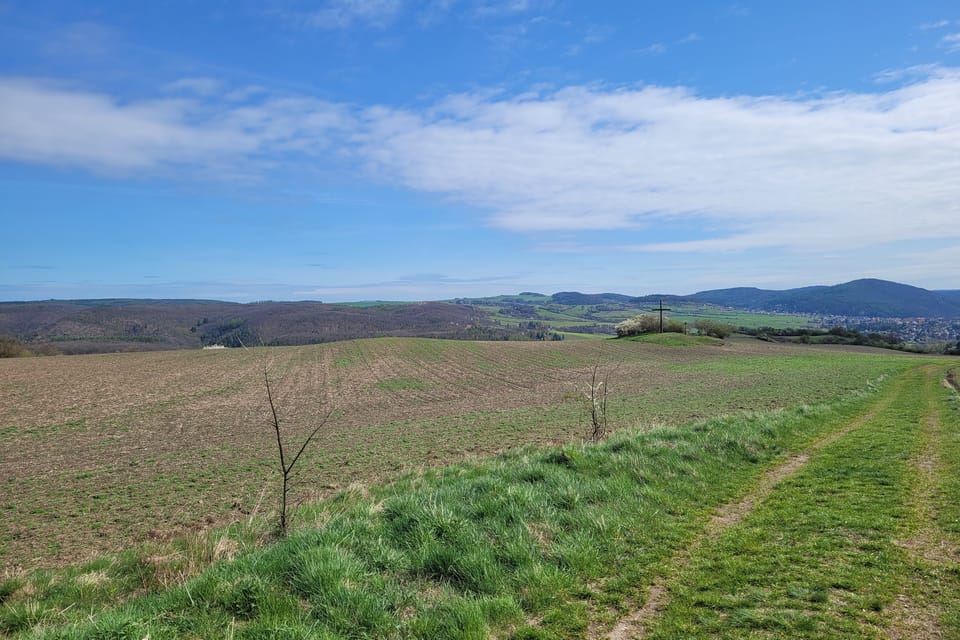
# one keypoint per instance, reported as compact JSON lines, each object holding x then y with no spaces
{"x":637,"y":623}
{"x":913,"y":615}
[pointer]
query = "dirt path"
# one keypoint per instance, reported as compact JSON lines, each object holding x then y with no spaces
{"x":635,"y":624}
{"x":913,"y":614}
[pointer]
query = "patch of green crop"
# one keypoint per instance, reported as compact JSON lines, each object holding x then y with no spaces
{"x":673,"y":339}
{"x":402,"y":383}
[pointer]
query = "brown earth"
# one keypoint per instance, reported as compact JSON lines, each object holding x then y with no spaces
{"x":101,"y":451}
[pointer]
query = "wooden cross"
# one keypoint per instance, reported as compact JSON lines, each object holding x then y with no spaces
{"x":661,"y":309}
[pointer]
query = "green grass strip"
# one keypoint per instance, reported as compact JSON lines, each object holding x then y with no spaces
{"x":821,"y":557}
{"x":943,"y":566}
{"x":536,"y":543}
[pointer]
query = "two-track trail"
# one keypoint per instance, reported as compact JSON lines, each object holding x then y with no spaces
{"x":840,"y":539}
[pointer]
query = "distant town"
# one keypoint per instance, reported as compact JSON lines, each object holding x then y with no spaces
{"x":910,"y":330}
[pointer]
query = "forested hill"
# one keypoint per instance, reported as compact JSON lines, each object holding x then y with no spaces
{"x":867,"y":297}
{"x":88,"y":326}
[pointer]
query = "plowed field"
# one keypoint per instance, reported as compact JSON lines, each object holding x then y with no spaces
{"x":97,"y":452}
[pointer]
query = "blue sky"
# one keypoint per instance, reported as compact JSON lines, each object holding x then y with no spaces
{"x":412,"y":150}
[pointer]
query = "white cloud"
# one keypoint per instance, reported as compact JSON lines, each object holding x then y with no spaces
{"x":846,"y":169}
{"x":839,"y":171}
{"x":46,"y":123}
{"x":951,"y":41}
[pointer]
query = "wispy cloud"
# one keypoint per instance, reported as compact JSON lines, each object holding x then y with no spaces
{"x":936,"y":24}
{"x":738,"y":10}
{"x":799,"y":172}
{"x":654,"y":49}
{"x":951,"y":42}
{"x":343,"y":14}
{"x":501,"y":8}
{"x":690,"y":37}
{"x":914,"y":74}
{"x":197,"y":86}
{"x":48,"y":123}
{"x":81,"y":39}
{"x":839,"y":171}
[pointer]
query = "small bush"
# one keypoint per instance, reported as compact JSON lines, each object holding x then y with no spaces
{"x":715,"y":329}
{"x":647,"y":323}
{"x":10,"y":347}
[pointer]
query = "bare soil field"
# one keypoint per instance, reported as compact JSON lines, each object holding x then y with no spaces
{"x":101,"y":451}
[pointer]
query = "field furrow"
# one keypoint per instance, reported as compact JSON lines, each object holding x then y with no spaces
{"x":96,"y":451}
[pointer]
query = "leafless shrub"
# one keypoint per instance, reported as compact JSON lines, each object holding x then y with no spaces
{"x":596,"y":395}
{"x":287,"y":463}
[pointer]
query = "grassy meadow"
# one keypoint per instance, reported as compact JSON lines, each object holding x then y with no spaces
{"x":749,"y":489}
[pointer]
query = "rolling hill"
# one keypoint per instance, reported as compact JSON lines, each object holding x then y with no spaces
{"x":89,"y":326}
{"x":92,"y":326}
{"x":866,"y":297}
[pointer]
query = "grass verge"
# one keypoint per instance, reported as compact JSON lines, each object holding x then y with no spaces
{"x":823,"y":555}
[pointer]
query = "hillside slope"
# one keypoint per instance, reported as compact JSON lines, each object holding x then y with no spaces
{"x":866,"y":297}
{"x":91,"y":326}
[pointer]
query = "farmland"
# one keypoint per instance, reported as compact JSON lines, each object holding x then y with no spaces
{"x":717,"y":442}
{"x":602,"y":317}
{"x":97,"y":450}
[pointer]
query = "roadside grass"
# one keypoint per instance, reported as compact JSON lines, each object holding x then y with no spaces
{"x":820,"y":557}
{"x":534,"y":543}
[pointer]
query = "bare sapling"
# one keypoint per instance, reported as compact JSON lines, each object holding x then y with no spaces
{"x":287,"y":463}
{"x":596,"y":395}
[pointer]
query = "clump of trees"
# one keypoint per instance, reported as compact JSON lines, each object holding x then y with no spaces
{"x":10,"y":347}
{"x":714,"y":328}
{"x":842,"y":335}
{"x":538,"y":331}
{"x":647,"y":323}
{"x":230,"y":333}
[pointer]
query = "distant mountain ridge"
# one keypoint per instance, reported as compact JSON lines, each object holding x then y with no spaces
{"x":867,"y":297}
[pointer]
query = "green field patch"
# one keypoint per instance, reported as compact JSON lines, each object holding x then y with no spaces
{"x":402,"y":383}
{"x":673,"y":339}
